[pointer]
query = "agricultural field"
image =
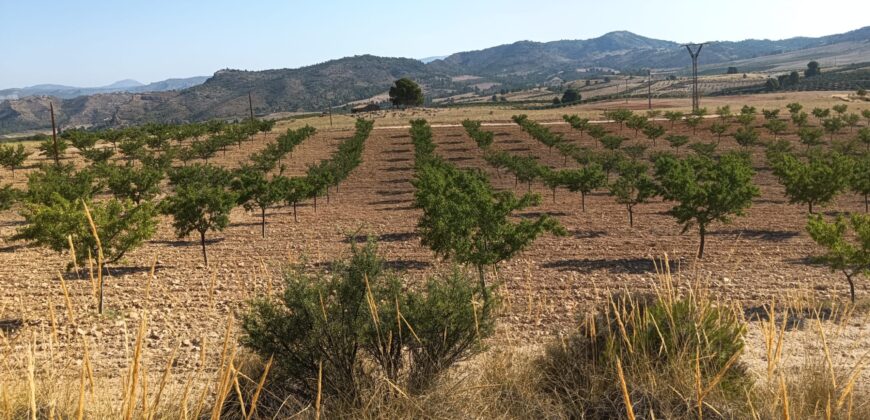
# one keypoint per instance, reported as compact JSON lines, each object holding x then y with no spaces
{"x":163,"y":303}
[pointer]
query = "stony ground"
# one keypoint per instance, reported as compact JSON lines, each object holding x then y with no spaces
{"x":760,"y":256}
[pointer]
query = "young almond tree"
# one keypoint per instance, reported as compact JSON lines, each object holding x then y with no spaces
{"x":653,"y":132}
{"x":8,"y":197}
{"x":585,"y":180}
{"x":292,"y":191}
{"x":633,"y":187}
{"x":673,"y":117}
{"x":812,"y":182}
{"x":13,"y":157}
{"x":201,"y":202}
{"x":706,"y":190}
{"x":465,"y":219}
{"x":718,"y":129}
{"x":860,"y":179}
{"x":135,"y":183}
{"x":256,"y":191}
{"x":811,"y":136}
{"x":851,"y":257}
{"x":121,"y":226}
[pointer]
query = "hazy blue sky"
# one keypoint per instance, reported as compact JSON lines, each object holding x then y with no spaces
{"x":96,"y":42}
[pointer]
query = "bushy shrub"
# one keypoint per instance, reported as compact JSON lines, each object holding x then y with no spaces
{"x":666,"y":345}
{"x":358,"y":325}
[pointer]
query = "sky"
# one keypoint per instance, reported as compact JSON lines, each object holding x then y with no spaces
{"x":97,"y":42}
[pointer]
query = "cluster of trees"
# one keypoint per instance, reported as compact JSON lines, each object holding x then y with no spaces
{"x":705,"y":188}
{"x":65,"y":208}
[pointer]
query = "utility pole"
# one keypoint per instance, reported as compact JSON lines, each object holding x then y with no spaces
{"x":649,"y":87}
{"x":54,"y":135}
{"x":251,"y":106}
{"x":626,"y":90}
{"x":696,"y":97}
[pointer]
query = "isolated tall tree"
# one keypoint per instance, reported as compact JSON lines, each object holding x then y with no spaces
{"x":585,"y":180}
{"x":570,"y":95}
{"x":813,"y":69}
{"x":13,"y":157}
{"x":706,"y":190}
{"x":849,"y":256}
{"x":406,"y":93}
{"x":633,"y":187}
{"x":201,"y":202}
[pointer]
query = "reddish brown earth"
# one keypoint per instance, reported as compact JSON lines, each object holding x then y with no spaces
{"x":758,"y":256}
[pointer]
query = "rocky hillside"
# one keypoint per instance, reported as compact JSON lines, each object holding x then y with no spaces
{"x":336,"y":82}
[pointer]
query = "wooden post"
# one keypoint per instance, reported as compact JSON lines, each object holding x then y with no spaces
{"x":54,"y":135}
{"x":251,"y":106}
{"x":649,"y":88}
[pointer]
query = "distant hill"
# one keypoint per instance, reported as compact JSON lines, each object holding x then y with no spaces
{"x":127,"y":85}
{"x":519,"y":65}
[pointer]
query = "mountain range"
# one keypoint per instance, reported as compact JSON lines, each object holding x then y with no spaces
{"x":126,"y":85}
{"x":334,"y":83}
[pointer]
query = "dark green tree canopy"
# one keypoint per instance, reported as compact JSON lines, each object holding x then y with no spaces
{"x":406,"y":92}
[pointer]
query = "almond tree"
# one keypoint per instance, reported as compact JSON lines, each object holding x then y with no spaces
{"x":254,"y":190}
{"x":201,"y":201}
{"x":718,"y":129}
{"x":633,"y":187}
{"x":292,"y":191}
{"x":706,"y":190}
{"x":585,"y":180}
{"x":13,"y":157}
{"x":851,"y":257}
{"x":812,"y":182}
{"x":673,"y":117}
{"x":653,"y":132}
{"x":860,"y":180}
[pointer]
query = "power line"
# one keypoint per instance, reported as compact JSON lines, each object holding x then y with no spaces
{"x":696,"y":96}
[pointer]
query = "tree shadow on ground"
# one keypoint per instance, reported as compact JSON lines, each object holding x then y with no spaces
{"x":795,"y":319}
{"x":615,"y":266}
{"x":403,"y":208}
{"x":587,"y":234}
{"x":400,"y":136}
{"x":11,"y":248}
{"x":397,"y":160}
{"x":183,"y":243}
{"x":449,"y":143}
{"x":397,"y":151}
{"x":391,"y":201}
{"x":458,"y":149}
{"x":398,"y":169}
{"x":396,"y":181}
{"x":518,"y":149}
{"x":391,"y":193}
{"x":406,"y":264}
{"x":385,"y":237}
{"x":536,"y":214}
{"x":459,"y":159}
{"x":502,"y":134}
{"x":9,"y":326}
{"x":759,"y":234}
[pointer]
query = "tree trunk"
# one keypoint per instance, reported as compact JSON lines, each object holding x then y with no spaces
{"x":866,"y":204}
{"x":295,"y":219}
{"x":583,"y":201}
{"x":630,"y":216}
{"x":315,"y":203}
{"x":811,"y":207}
{"x":202,"y":243}
{"x":327,"y":195}
{"x":482,"y":277}
{"x":554,"y":195}
{"x":851,"y":287}
{"x":263,"y":219}
{"x":703,"y":231}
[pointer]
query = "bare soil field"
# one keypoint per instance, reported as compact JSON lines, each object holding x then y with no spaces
{"x":760,"y":256}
